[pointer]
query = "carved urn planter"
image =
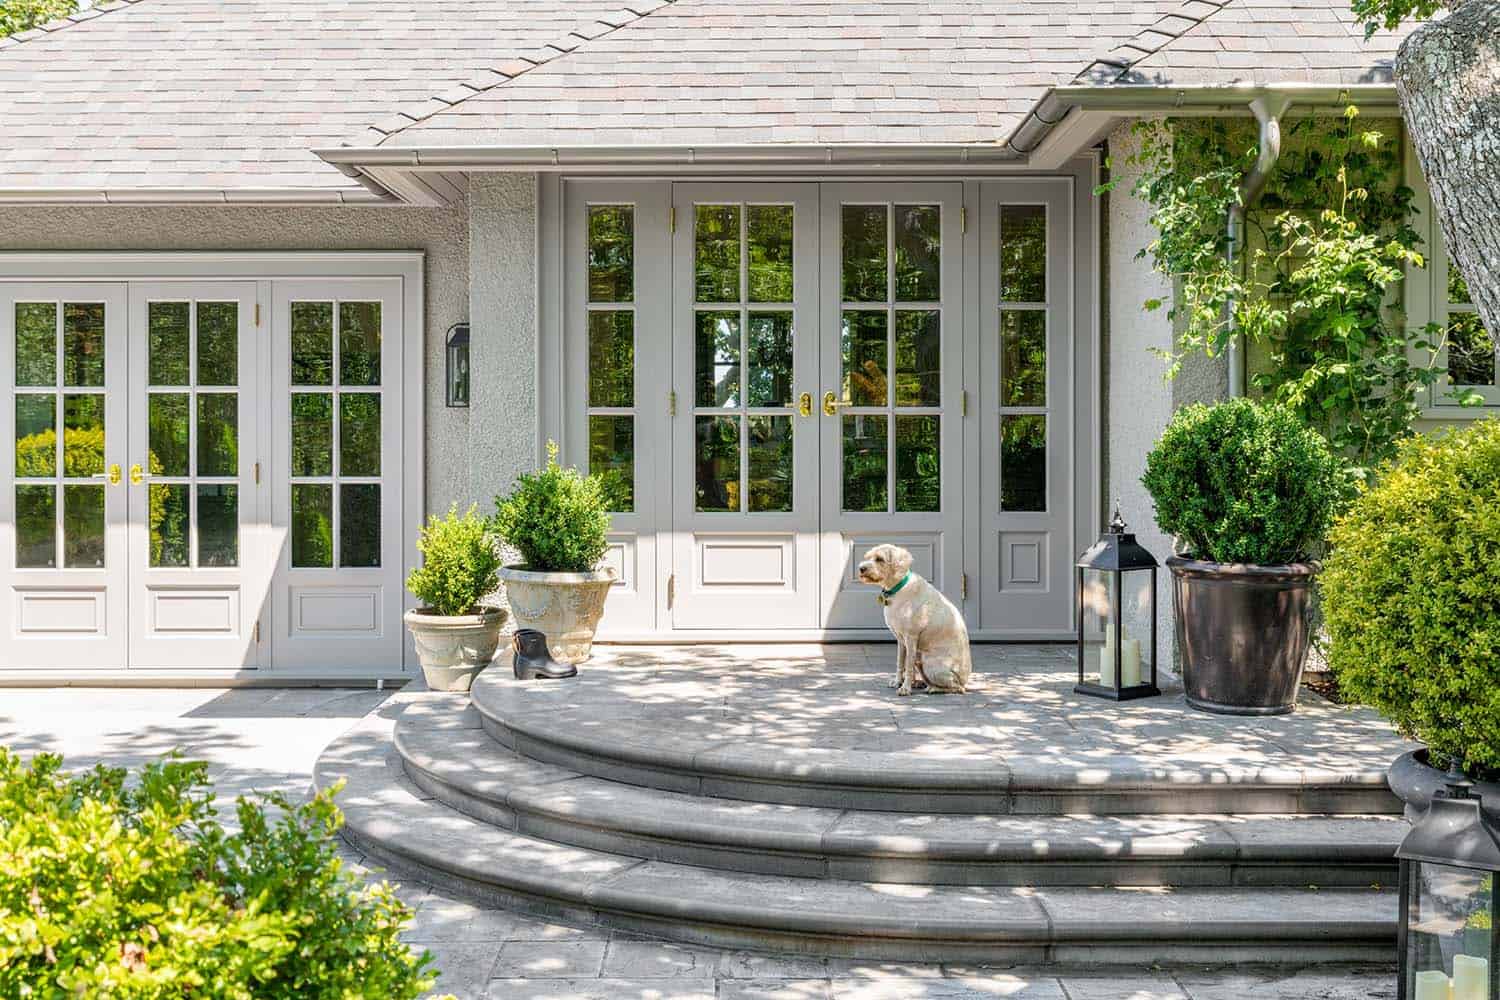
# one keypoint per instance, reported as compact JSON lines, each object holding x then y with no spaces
{"x":566,"y":607}
{"x":454,"y":648}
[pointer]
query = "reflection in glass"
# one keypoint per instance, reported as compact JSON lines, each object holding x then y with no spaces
{"x":312,"y":343}
{"x":168,"y":523}
{"x":167,"y":331}
{"x":1458,"y":288}
{"x":83,"y":526}
{"x":918,"y":468}
{"x":36,"y":435}
{"x":919,"y":243}
{"x":770,"y":461}
{"x":862,"y":343}
{"x":359,"y":524}
{"x":716,"y":253}
{"x":83,"y":344}
{"x":312,"y":525}
{"x":863,"y":235}
{"x":865,"y":463}
{"x":1023,"y":357}
{"x":918,"y":357}
{"x":1023,"y":461}
{"x":312,"y":434}
{"x":218,"y":343}
{"x":1471,"y":351}
{"x":612,"y":358}
{"x":167,"y":433}
{"x":359,"y":343}
{"x":612,"y":459}
{"x":36,"y":343}
{"x":36,"y":526}
{"x":770,"y":367}
{"x":83,"y":435}
{"x":716,"y":370}
{"x":218,"y":525}
{"x":218,"y":434}
{"x":718,"y":463}
{"x":768,"y":231}
{"x":611,"y":253}
{"x":359,"y":434}
{"x":1023,"y":253}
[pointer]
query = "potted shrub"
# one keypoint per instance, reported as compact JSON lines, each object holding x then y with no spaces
{"x":1249,"y":492}
{"x":1411,"y":598}
{"x":455,"y":634}
{"x":558,"y":520}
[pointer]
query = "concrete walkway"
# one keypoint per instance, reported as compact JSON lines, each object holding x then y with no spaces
{"x":270,"y":738}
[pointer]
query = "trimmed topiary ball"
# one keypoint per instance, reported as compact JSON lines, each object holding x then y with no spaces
{"x":1244,"y":482}
{"x":1411,"y":595}
{"x":558,"y":519}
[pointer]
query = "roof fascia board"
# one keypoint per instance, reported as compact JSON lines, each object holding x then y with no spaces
{"x":1079,"y":130}
{"x":190,"y":196}
{"x":563,"y":157}
{"x":1153,"y":98}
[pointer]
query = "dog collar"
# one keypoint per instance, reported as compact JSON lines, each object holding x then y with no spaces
{"x":886,"y":595}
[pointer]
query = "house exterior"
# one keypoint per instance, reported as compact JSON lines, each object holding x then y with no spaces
{"x":798,"y":276}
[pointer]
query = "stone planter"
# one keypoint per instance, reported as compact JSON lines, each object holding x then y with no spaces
{"x":1244,"y":633}
{"x":454,"y":648}
{"x":1414,"y":781}
{"x":566,"y":607}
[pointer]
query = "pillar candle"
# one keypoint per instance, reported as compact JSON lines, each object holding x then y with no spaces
{"x":1471,"y":978}
{"x":1107,"y":657}
{"x":1433,"y":986}
{"x":1130,"y":663}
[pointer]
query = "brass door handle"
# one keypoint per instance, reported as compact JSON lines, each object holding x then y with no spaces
{"x":113,"y":475}
{"x":137,"y":475}
{"x":804,"y":404}
{"x":831,"y":403}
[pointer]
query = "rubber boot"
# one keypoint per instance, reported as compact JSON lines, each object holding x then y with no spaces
{"x":533,"y":660}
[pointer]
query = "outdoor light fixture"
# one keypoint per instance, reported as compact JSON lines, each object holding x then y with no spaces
{"x":458,"y":364}
{"x":1116,"y":581}
{"x":1449,"y":861}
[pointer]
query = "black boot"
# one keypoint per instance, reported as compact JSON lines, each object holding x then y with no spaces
{"x":533,"y":659}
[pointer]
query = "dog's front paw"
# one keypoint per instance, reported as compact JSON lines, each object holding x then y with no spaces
{"x":904,"y":690}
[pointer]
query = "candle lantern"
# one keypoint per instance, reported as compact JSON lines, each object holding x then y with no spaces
{"x":1117,"y":617}
{"x":1448,"y":944}
{"x":458,"y":365}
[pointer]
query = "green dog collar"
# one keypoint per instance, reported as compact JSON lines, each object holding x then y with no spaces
{"x":886,"y":595}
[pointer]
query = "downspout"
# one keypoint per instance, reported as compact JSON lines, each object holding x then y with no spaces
{"x":1268,"y":109}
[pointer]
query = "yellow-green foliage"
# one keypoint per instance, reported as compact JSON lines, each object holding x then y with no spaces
{"x":558,"y":519}
{"x":116,"y":892}
{"x":1411,"y":594}
{"x":460,"y":564}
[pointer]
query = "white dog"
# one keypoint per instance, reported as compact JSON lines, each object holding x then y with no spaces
{"x":932,"y":642}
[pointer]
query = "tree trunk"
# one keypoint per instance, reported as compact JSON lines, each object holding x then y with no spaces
{"x":1448,"y":77}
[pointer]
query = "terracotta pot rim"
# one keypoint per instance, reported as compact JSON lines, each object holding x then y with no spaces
{"x":488,"y":615}
{"x":1189,"y":566}
{"x":523,"y":574}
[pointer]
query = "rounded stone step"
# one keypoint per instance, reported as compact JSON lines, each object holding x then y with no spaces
{"x":391,"y":820}
{"x":447,"y":754}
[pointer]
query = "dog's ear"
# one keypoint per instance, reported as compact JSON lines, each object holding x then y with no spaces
{"x":900,"y":559}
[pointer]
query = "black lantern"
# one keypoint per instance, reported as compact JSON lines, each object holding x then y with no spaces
{"x":1117,"y":617}
{"x":1447,"y":935}
{"x":458,"y":364}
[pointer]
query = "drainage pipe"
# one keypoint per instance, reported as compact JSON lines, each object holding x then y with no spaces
{"x":1268,"y":109}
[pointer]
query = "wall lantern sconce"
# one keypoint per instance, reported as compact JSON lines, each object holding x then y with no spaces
{"x":458,"y":365}
{"x":1116,"y":581}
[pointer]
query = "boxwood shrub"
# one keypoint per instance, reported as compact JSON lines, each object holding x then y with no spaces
{"x":558,"y":519}
{"x":460,"y":563}
{"x":1411,"y":594}
{"x":1244,"y":482}
{"x":133,"y":891}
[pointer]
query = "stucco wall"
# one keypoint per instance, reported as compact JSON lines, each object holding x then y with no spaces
{"x":441,"y":234}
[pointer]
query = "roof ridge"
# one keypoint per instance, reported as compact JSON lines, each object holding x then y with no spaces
{"x":508,"y":70}
{"x":67,"y":20}
{"x":1113,"y":65}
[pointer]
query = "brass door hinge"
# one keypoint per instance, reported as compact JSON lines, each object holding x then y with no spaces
{"x":257,"y":631}
{"x":257,"y":314}
{"x":963,"y":219}
{"x":672,"y":403}
{"x":963,"y":586}
{"x":671,"y":590}
{"x":963,"y":403}
{"x":672,"y":218}
{"x":256,"y":470}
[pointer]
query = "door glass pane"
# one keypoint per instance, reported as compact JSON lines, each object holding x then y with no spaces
{"x":359,"y":434}
{"x":718,"y":463}
{"x":359,"y":524}
{"x":312,"y":525}
{"x":1023,"y":461}
{"x":863,"y":236}
{"x":167,"y":415}
{"x":612,"y":358}
{"x":768,"y":230}
{"x":612,"y":459}
{"x":1023,"y":253}
{"x":770,"y":460}
{"x":918,"y":469}
{"x":83,"y":526}
{"x":83,"y":435}
{"x":36,"y":526}
{"x":359,"y":343}
{"x":36,"y":435}
{"x":168,"y":523}
{"x":717,"y":366}
{"x":1023,"y":357}
{"x":36,"y":343}
{"x":312,"y":434}
{"x":863,"y":346}
{"x":218,"y":434}
{"x":770,"y":368}
{"x":918,"y":362}
{"x":218,"y":525}
{"x":1471,"y":351}
{"x":83,"y":343}
{"x":312,"y":343}
{"x":167,"y":343}
{"x":1458,"y":288}
{"x":918,"y":253}
{"x":218,"y":343}
{"x":611,"y":253}
{"x":716,"y":253}
{"x":865,"y":462}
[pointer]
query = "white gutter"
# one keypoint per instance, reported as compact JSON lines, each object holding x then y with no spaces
{"x":192,"y":196}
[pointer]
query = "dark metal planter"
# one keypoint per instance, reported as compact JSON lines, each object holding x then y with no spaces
{"x":1244,"y":633}
{"x":1414,"y":781}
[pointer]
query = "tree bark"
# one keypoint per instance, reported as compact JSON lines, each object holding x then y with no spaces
{"x":1448,"y":78}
